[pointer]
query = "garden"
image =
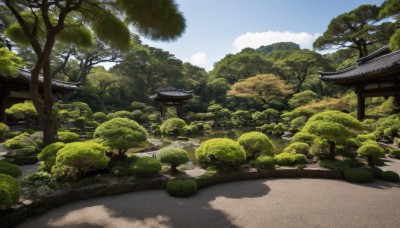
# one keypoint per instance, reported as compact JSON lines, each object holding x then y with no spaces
{"x":74,"y":130}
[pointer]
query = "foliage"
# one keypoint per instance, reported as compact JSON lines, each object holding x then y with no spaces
{"x":4,"y":129}
{"x":9,"y":190}
{"x":120,"y":133}
{"x":10,"y":169}
{"x":302,"y":98}
{"x":358,"y":175}
{"x":298,"y":123}
{"x":100,"y":117}
{"x":21,"y":144}
{"x":78,"y":158}
{"x":340,"y":165}
{"x":395,"y":154}
{"x":181,"y":188}
{"x":264,"y":87}
{"x":356,"y":29}
{"x":119,"y":171}
{"x":303,"y":137}
{"x":173,"y":126}
{"x":220,"y":152}
{"x":119,"y":114}
{"x":241,"y":118}
{"x":387,"y":127}
{"x":390,"y":176}
{"x":9,"y":62}
{"x":290,"y":159}
{"x":370,"y":150}
{"x":173,"y":156}
{"x":256,"y":144}
{"x":274,"y":129}
{"x":48,"y":155}
{"x":264,"y":162}
{"x":24,"y":110}
{"x":145,"y":166}
{"x":298,"y":147}
{"x":67,"y":136}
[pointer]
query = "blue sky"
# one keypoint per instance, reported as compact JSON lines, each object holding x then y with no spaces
{"x":219,"y":27}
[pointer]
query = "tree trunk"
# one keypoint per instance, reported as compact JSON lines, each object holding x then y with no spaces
{"x":370,"y":161}
{"x":331,"y":150}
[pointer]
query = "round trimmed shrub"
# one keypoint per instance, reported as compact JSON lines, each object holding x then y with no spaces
{"x":4,"y":129}
{"x":145,"y":167}
{"x":301,"y":159}
{"x":181,"y":188}
{"x":9,"y":190}
{"x":264,"y":162}
{"x":220,"y":152}
{"x":303,"y":137}
{"x":67,"y":136}
{"x":395,"y":154}
{"x":358,"y":175}
{"x":10,"y":169}
{"x":78,"y":158}
{"x":100,"y":117}
{"x":286,"y":159}
{"x":119,"y":114}
{"x":48,"y":155}
{"x":370,"y":151}
{"x":121,"y":133}
{"x":298,"y":147}
{"x":255,"y":144}
{"x":173,"y":126}
{"x":173,"y":156}
{"x":390,"y":176}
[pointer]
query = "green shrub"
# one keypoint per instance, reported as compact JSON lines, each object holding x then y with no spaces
{"x":190,"y":129}
{"x":298,"y":123}
{"x":173,"y":156}
{"x":100,"y":117}
{"x":264,"y":162}
{"x":395,"y":154}
{"x":78,"y":158}
{"x":390,"y":176}
{"x":41,"y":179}
{"x":320,"y":148}
{"x":298,"y":147}
{"x":67,"y":136}
{"x":137,"y":105}
{"x":138,"y":116}
{"x":338,"y":165}
{"x":10,"y":169}
{"x":48,"y":155}
{"x":119,"y":114}
{"x":145,"y":166}
{"x":303,"y":137}
{"x":21,"y":145}
{"x":181,"y":188}
{"x":358,"y":175}
{"x":220,"y":152}
{"x":9,"y":190}
{"x":290,"y":159}
{"x":256,"y":144}
{"x":370,"y":151}
{"x":121,"y":133}
{"x":365,"y":137}
{"x":4,"y":129}
{"x":25,"y":160}
{"x":173,"y":126}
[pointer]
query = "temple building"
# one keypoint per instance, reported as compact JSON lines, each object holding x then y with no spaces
{"x":171,"y":96}
{"x":375,"y":75}
{"x":16,"y":90}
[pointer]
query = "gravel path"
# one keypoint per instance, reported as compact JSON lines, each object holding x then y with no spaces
{"x":258,"y":203}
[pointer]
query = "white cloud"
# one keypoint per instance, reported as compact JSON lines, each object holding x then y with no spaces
{"x":199,"y":59}
{"x":257,"y":39}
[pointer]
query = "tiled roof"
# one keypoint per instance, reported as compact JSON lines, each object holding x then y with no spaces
{"x":171,"y":92}
{"x":368,"y":66}
{"x":25,"y":75}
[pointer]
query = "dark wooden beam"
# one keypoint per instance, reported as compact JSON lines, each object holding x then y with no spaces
{"x":360,"y":104}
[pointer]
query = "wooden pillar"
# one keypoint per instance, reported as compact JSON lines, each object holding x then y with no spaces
{"x":360,"y":104}
{"x":162,"y":110}
{"x":179,"y":110}
{"x":3,"y":96}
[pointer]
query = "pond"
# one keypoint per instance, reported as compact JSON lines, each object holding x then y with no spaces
{"x":193,"y":142}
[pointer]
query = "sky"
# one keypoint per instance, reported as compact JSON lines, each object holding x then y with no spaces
{"x":215,"y":28}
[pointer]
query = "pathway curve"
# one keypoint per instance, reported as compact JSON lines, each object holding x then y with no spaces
{"x":258,"y":203}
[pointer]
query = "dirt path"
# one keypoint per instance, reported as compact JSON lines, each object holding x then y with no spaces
{"x":259,"y":203}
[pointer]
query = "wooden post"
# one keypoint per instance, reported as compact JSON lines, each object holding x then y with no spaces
{"x":360,"y":104}
{"x":179,"y":110}
{"x":3,"y":96}
{"x":162,"y":110}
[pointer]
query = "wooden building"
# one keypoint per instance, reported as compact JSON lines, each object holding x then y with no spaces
{"x":16,"y":90}
{"x":171,"y":96}
{"x":375,"y":75}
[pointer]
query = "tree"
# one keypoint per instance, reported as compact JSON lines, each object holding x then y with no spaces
{"x":9,"y":62}
{"x":24,"y":110}
{"x":41,"y":24}
{"x":391,"y":8}
{"x":302,"y":98}
{"x":102,"y":80}
{"x":371,"y":150}
{"x":264,"y":87}
{"x":334,"y":127}
{"x":356,"y":29}
{"x":121,"y":134}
